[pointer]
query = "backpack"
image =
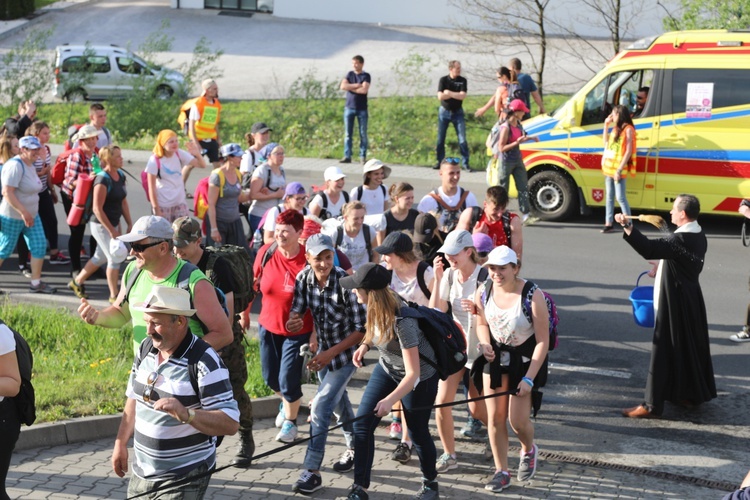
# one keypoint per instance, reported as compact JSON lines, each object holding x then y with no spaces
{"x":324,"y":213}
{"x":144,"y":175}
{"x":515,"y":91}
{"x":57,"y":174}
{"x":25,"y":400}
{"x":361,"y":189}
{"x":200,"y":198}
{"x":444,"y":335}
{"x":263,"y":261}
{"x":72,"y":130}
{"x":476,"y":214}
{"x":453,"y":212}
{"x":365,"y":233}
{"x":526,"y":296}
{"x":196,"y":353}
{"x":242,"y":270}
{"x":184,"y":115}
{"x":421,"y":270}
{"x":183,"y":281}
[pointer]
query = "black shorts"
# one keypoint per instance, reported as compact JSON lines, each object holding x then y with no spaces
{"x":212,"y":149}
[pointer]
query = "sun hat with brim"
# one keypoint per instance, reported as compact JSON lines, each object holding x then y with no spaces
{"x":149,"y":226}
{"x":456,"y":241}
{"x":369,"y":276}
{"x":373,"y":165}
{"x":501,"y":256}
{"x":29,"y":142}
{"x":166,"y":300}
{"x":396,"y":242}
{"x":86,"y":132}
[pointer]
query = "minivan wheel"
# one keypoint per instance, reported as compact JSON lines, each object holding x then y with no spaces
{"x":76,"y":95}
{"x":164,"y":92}
{"x":552,"y":196}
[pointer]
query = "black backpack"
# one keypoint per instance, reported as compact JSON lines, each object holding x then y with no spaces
{"x":196,"y":353}
{"x":361,"y":190}
{"x":324,"y":213}
{"x":365,"y":233}
{"x":25,"y":400}
{"x":242,"y":270}
{"x":443,"y":334}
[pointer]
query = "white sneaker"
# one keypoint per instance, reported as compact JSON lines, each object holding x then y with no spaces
{"x":280,"y":417}
{"x":741,"y":336}
{"x":288,"y":432}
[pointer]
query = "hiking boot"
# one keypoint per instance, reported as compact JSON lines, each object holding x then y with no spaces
{"x":402,"y":453}
{"x":346,"y":462}
{"x":357,"y":493}
{"x":499,"y":482}
{"x":473,"y":429}
{"x":246,"y":450}
{"x":429,"y":491}
{"x":288,"y":432}
{"x":59,"y":259}
{"x":345,"y":160}
{"x":42,"y":287}
{"x":79,"y":290}
{"x":527,"y":466}
{"x":308,"y":482}
{"x":395,"y":432}
{"x":741,"y":336}
{"x":280,"y":417}
{"x":445,"y":463}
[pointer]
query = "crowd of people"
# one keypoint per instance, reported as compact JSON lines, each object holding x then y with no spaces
{"x":337,"y":271}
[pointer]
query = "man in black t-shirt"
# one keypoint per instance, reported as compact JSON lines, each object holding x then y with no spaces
{"x":451,"y":93}
{"x":187,"y":241}
{"x":356,"y":83}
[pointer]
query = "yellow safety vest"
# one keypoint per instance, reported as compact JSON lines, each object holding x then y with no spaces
{"x":615,"y":151}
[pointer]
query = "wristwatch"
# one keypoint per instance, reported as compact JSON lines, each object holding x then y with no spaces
{"x":629,"y":224}
{"x":191,"y":416}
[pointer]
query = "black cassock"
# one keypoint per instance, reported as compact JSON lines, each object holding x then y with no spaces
{"x":681,"y":370}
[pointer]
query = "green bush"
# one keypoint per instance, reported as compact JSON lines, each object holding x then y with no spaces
{"x":15,"y":9}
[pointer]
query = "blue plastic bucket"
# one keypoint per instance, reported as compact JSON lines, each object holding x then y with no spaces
{"x":642,"y":298}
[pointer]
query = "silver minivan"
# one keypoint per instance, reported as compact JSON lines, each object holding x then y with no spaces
{"x":115,"y":73}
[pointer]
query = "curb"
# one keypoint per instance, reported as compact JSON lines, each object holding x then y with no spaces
{"x":23,"y":23}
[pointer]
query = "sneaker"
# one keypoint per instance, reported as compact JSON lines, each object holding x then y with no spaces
{"x":280,"y":417}
{"x":741,"y":336}
{"x":26,"y":271}
{"x":84,"y":255}
{"x":529,"y":220}
{"x":402,"y":453}
{"x":288,"y":432}
{"x":395,"y":432}
{"x":346,"y":462}
{"x":345,"y":160}
{"x":473,"y":429}
{"x":357,"y":493}
{"x":79,"y":290}
{"x":499,"y":482}
{"x":487,"y":450}
{"x":308,"y":482}
{"x":429,"y":491}
{"x":42,"y":287}
{"x":59,"y":259}
{"x":607,"y":229}
{"x":527,"y":466}
{"x":445,"y":463}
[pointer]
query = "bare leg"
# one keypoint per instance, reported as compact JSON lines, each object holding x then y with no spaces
{"x":444,"y":416}
{"x":497,"y":427}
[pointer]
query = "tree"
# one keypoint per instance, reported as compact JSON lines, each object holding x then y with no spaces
{"x":26,"y":70}
{"x":709,"y":14}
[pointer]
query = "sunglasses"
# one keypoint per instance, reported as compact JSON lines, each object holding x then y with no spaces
{"x":141,"y":247}
{"x":452,"y":160}
{"x":148,"y":391}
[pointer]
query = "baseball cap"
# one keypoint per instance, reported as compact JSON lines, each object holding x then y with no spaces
{"x":318,"y":243}
{"x":260,"y":128}
{"x":29,"y":142}
{"x":518,"y":105}
{"x":149,"y":226}
{"x":482,"y":242}
{"x":293,"y":189}
{"x":396,"y":242}
{"x":186,"y":230}
{"x":425,"y":227}
{"x":500,"y":256}
{"x":369,"y":276}
{"x":207,"y":83}
{"x":456,"y":241}
{"x":231,"y":149}
{"x":333,"y":174}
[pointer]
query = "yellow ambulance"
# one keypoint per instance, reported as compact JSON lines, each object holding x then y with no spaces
{"x":692,"y":134}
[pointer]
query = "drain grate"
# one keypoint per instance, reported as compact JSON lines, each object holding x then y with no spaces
{"x":235,"y":13}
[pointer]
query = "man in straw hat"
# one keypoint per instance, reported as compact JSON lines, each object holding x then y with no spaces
{"x":172,"y":405}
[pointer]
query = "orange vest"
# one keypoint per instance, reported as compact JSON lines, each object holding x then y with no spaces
{"x":615,"y":151}
{"x":205,"y":128}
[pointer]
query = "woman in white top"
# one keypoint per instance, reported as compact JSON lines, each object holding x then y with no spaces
{"x":166,"y":191}
{"x":350,"y":236}
{"x":514,"y":354}
{"x":10,"y":384}
{"x":328,"y":204}
{"x":267,"y":185}
{"x":454,"y":289}
{"x":373,"y":192}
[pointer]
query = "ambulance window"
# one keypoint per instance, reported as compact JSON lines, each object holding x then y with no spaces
{"x":731,"y":86}
{"x":617,"y":88}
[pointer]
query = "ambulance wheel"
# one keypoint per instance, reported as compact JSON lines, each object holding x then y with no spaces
{"x":552,"y":196}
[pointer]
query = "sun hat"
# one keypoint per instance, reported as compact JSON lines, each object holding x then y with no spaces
{"x":369,"y":276}
{"x":373,"y":165}
{"x":86,"y":132}
{"x":456,"y":241}
{"x":501,"y":256}
{"x":149,"y":226}
{"x":166,"y":300}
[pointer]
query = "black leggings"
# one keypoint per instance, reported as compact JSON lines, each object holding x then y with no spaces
{"x":10,"y":428}
{"x":75,"y":242}
{"x":49,"y":222}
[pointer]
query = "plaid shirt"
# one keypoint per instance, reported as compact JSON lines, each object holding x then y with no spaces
{"x":335,"y":311}
{"x":77,"y":164}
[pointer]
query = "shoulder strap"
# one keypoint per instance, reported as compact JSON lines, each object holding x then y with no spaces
{"x":462,"y":201}
{"x":442,"y":204}
{"x":382,"y":188}
{"x":106,"y":132}
{"x":196,"y":353}
{"x":339,"y":236}
{"x":368,"y":245}
{"x":528,"y":290}
{"x":360,"y":190}
{"x":487,"y":293}
{"x":506,"y":225}
{"x":143,"y":350}
{"x":158,"y":166}
{"x":268,"y":178}
{"x":482,"y":275}
{"x":132,"y":278}
{"x":269,"y":253}
{"x":346,"y":196}
{"x":421,"y":270}
{"x":324,"y":199}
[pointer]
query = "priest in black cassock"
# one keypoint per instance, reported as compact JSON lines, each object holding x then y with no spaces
{"x":681,"y":370}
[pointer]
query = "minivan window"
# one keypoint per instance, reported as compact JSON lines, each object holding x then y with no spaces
{"x":615,"y":88}
{"x":96,"y":64}
{"x":131,"y":66}
{"x":731,"y":86}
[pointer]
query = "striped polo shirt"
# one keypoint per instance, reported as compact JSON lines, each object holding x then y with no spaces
{"x":165,"y":448}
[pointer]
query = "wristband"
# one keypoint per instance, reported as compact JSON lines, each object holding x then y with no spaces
{"x":528,"y":381}
{"x":215,"y":230}
{"x":368,"y":347}
{"x":629,"y":224}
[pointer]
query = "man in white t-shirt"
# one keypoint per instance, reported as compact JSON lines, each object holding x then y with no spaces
{"x":449,"y":200}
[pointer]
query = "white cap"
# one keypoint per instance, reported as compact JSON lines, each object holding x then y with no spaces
{"x":501,"y":256}
{"x":333,"y":174}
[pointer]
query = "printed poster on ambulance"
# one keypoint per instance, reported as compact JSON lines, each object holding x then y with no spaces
{"x":700,"y":98}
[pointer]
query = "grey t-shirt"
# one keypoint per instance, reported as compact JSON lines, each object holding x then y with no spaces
{"x":408,"y":335}
{"x":259,"y":207}
{"x":17,"y":174}
{"x":227,"y":206}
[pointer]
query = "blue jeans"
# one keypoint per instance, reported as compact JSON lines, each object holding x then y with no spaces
{"x":349,"y":115}
{"x":330,"y":398}
{"x":378,"y":387}
{"x":280,"y":362}
{"x":517,"y":169}
{"x":614,"y":190}
{"x":445,"y":118}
